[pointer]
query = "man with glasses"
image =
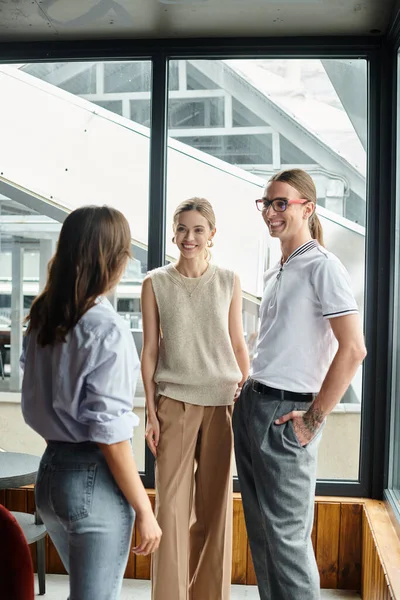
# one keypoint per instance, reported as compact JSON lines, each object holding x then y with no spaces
{"x":309,"y":347}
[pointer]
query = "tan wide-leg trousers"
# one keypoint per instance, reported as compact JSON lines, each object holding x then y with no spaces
{"x":193,"y":502}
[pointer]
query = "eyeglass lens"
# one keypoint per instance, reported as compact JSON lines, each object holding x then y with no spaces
{"x":277,"y":205}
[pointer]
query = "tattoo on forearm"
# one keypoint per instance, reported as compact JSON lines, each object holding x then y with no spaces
{"x":313,"y":419}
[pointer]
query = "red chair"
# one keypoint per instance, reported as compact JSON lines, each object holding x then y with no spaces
{"x":16,"y":569}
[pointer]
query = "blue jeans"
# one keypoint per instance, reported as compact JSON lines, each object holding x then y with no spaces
{"x":87,"y":518}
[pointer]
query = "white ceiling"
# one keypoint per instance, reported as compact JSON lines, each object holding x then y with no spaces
{"x":95,"y":19}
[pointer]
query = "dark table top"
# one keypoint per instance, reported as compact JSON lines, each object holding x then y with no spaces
{"x":17,"y":469}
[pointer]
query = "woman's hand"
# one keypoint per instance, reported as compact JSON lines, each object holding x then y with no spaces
{"x":237,"y":393}
{"x":149,"y":531}
{"x":152,"y":433}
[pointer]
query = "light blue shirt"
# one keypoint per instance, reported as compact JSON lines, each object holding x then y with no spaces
{"x":82,"y":389}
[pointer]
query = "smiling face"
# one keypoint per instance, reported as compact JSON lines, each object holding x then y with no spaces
{"x":192,"y":232}
{"x":293,"y":221}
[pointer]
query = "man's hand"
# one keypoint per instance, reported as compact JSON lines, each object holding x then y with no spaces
{"x":305,"y":424}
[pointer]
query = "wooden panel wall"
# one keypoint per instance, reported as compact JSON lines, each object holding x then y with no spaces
{"x":337,"y":538}
{"x":337,"y":542}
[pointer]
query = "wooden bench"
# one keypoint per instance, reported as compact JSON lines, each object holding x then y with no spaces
{"x":355,"y":542}
{"x":380,"y":554}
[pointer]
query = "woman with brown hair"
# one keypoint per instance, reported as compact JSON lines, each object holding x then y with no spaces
{"x":80,"y":370}
{"x":194,"y":361}
{"x":310,"y":345}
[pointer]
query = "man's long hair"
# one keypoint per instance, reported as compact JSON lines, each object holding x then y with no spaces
{"x":303,"y":183}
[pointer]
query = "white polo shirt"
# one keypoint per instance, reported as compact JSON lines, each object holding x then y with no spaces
{"x":296,"y":344}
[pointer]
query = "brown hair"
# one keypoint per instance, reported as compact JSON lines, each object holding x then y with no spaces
{"x":202,"y":206}
{"x":303,"y":183}
{"x":92,"y":251}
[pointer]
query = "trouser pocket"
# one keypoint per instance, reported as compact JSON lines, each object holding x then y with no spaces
{"x":71,"y":490}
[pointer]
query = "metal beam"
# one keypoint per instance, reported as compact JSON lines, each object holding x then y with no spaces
{"x":17,"y":315}
{"x":47,"y":223}
{"x":112,"y":96}
{"x":64,"y":73}
{"x":276,"y":150}
{"x":270,"y":167}
{"x":182,"y":74}
{"x":219,"y":131}
{"x":228,"y":114}
{"x":23,"y":225}
{"x":126,"y":108}
{"x":350,"y":82}
{"x":25,"y":219}
{"x":30,"y":245}
{"x":40,"y":204}
{"x":172,"y":95}
{"x":47,"y":249}
{"x":100,"y":78}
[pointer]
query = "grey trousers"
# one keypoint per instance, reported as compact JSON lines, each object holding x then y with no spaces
{"x":277,"y":479}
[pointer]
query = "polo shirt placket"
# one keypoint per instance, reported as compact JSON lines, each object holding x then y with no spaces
{"x":296,"y":343}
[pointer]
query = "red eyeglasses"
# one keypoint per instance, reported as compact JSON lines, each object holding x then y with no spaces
{"x":278,"y":204}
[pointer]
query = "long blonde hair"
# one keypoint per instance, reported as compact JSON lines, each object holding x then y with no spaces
{"x":303,"y":183}
{"x":92,"y":252}
{"x":202,"y":206}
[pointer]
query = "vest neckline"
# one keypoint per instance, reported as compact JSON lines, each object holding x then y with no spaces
{"x":180,"y":279}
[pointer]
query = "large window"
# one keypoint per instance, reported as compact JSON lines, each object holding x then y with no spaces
{"x":79,"y":132}
{"x":236,"y":122}
{"x":70,"y":139}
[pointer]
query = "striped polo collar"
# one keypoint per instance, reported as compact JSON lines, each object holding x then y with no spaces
{"x":302,"y":250}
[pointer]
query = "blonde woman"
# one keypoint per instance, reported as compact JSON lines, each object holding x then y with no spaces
{"x":194,"y":362}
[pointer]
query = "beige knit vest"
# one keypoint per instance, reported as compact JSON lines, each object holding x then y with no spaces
{"x":196,"y":362}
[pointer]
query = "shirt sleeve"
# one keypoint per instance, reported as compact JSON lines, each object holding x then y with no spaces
{"x":332,"y":285}
{"x":110,"y":387}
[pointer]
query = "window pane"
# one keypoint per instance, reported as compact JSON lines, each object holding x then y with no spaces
{"x":71,"y":139}
{"x":253,"y":118}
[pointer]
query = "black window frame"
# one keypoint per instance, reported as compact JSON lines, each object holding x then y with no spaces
{"x":377,"y":51}
{"x":392,"y":45}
